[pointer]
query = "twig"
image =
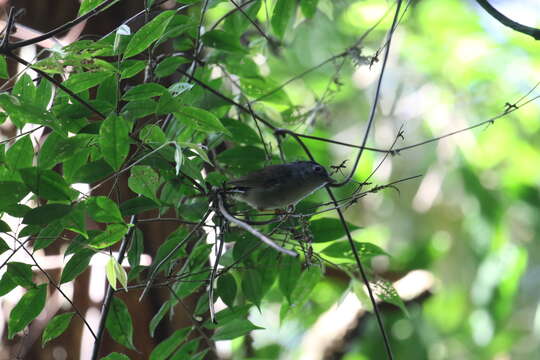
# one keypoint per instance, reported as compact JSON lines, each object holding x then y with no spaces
{"x":527,"y":30}
{"x":57,"y":287}
{"x":229,"y":13}
{"x":251,"y":230}
{"x":64,"y":27}
{"x":261,"y":31}
{"x":376,"y":98}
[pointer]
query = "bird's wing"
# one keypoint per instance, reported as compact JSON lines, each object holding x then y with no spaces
{"x":266,"y":177}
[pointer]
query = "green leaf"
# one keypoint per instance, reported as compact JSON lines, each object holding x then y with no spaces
{"x":227,"y":289}
{"x":110,"y":272}
{"x":309,"y":7}
{"x":16,"y":210}
{"x":57,"y":149}
{"x":163,"y":310}
{"x":191,"y":283}
{"x":3,"y":246}
{"x":178,"y":158}
{"x":114,"y":271}
{"x":93,"y":171}
{"x":144,"y":181}
{"x":30,"y":230}
{"x":148,"y":34}
{"x":48,"y":235}
{"x":46,"y":214}
{"x":114,"y":140}
{"x":200,"y":119}
{"x":108,"y":92}
{"x":186,"y":351}
{"x":21,"y":274}
{"x":235,"y":329}
{"x":135,"y":110}
{"x":358,"y":289}
{"x":328,"y":229}
{"x":252,"y":286}
{"x":56,"y":327}
{"x":11,"y":192}
{"x":20,"y":154}
{"x":112,"y":234}
{"x":44,"y":94}
{"x":76,"y":220}
{"x":144,"y":91}
{"x":27,"y":309}
{"x":25,"y":89}
{"x":229,"y":314}
{"x":102,"y":209}
{"x":6,"y":284}
{"x":243,"y":134}
{"x":119,"y":323}
{"x":307,"y":281}
{"x":4,"y":227}
{"x":342,"y":250}
{"x":169,"y":345}
{"x":387,"y":293}
{"x":289,"y":275}
{"x":169,"y":65}
{"x":199,"y":149}
{"x":130,"y":68}
{"x":115,"y":356}
{"x":4,"y":74}
{"x":136,"y":248}
{"x":47,"y":184}
{"x":86,"y":80}
{"x":23,"y":111}
{"x":88,"y":5}
{"x":76,"y":265}
{"x":243,"y":158}
{"x":282,"y":15}
{"x":137,"y":205}
{"x":222,"y":40}
{"x":239,"y":21}
{"x":179,"y":88}
{"x":167,"y":247}
{"x":152,"y":135}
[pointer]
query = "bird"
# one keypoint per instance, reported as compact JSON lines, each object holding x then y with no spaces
{"x":279,"y":186}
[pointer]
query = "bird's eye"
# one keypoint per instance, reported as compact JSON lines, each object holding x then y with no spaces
{"x":317,"y":168}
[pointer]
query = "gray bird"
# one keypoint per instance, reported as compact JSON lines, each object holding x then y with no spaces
{"x":278,"y":186}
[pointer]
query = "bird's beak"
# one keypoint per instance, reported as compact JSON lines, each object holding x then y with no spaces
{"x":330,"y":180}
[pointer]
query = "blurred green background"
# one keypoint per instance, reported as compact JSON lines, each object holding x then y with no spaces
{"x":472,"y":219}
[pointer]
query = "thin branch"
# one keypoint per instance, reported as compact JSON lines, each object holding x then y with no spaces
{"x":14,"y":251}
{"x":251,"y":230}
{"x":8,"y":29}
{"x":57,"y":287}
{"x":485,"y":122}
{"x":261,"y":31}
{"x":375,"y":100}
{"x":506,"y":21}
{"x":97,"y":10}
{"x":226,"y":98}
{"x":299,"y":76}
{"x":229,"y":13}
{"x":110,"y":291}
